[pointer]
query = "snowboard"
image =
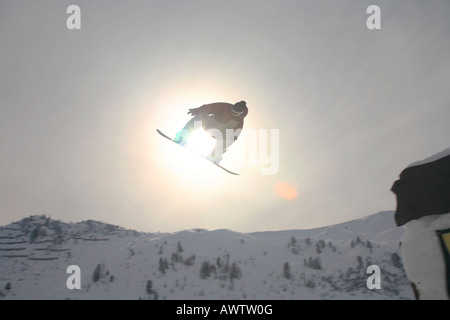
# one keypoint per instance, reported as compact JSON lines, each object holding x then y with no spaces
{"x":218,"y":165}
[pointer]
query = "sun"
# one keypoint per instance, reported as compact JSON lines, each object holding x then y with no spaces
{"x":185,"y":164}
{"x":201,"y":142}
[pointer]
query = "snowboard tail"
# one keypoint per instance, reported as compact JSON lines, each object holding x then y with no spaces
{"x":218,"y":165}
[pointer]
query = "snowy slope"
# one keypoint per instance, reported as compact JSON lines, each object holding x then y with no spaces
{"x":432,"y":158}
{"x":322,"y":263}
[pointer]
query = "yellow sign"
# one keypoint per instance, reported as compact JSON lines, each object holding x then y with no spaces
{"x":446,"y":240}
{"x":444,"y":236}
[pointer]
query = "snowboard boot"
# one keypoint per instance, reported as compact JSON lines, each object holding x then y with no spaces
{"x":180,"y":139}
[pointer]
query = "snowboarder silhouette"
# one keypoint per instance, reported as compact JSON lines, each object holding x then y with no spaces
{"x":223,"y":121}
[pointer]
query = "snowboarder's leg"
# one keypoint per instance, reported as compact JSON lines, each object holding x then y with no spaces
{"x":216,"y":154}
{"x":223,"y":142}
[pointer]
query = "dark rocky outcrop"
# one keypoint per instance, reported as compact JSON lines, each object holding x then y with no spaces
{"x":423,"y":190}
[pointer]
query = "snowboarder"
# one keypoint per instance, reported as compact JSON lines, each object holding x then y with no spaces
{"x":223,"y":121}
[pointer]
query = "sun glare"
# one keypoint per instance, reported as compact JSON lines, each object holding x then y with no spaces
{"x":201,"y":142}
{"x":187,"y":165}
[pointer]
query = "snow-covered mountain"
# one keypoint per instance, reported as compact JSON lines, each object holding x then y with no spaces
{"x":115,"y":263}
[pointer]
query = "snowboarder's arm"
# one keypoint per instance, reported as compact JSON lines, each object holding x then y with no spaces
{"x":212,"y":108}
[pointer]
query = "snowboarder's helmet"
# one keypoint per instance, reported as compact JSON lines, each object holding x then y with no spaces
{"x":238,"y":109}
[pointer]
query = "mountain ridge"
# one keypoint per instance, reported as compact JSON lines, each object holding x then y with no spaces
{"x":322,"y":263}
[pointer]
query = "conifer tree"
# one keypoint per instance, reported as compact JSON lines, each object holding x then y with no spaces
{"x":97,"y":273}
{"x":287,"y":270}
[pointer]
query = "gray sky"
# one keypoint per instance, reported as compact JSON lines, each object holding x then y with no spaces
{"x":352,"y":106}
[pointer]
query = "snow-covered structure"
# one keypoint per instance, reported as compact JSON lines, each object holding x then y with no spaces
{"x":423,"y":208}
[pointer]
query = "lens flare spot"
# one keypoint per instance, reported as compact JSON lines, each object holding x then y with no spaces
{"x":285,"y":191}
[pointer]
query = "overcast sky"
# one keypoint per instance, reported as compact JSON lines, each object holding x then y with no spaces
{"x":352,"y":108}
